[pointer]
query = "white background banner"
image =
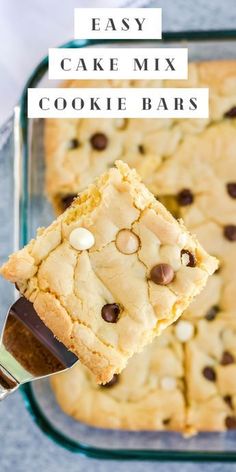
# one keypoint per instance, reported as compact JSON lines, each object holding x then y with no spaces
{"x":117,"y":23}
{"x":118,"y":103}
{"x":118,"y":63}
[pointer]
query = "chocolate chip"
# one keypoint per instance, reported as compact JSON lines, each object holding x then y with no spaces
{"x":162,"y":274}
{"x":227,"y":358}
{"x":185,"y":197}
{"x":212,"y":312}
{"x":192,"y":260}
{"x":113,"y":381}
{"x":230,"y":232}
{"x":141,"y":149}
{"x":110,"y":312}
{"x":166,"y":421}
{"x":230,"y":113}
{"x":231,"y":189}
{"x":230,"y":422}
{"x":73,"y":144}
{"x":228,"y":400}
{"x":67,"y":201}
{"x":99,"y":141}
{"x":209,"y":374}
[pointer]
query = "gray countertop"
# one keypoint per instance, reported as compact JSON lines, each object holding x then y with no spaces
{"x":22,"y":445}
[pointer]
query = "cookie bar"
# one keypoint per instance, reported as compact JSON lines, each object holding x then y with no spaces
{"x":147,"y":395}
{"x":211,"y":376}
{"x":78,"y":150}
{"x":204,"y":195}
{"x":111,"y":272}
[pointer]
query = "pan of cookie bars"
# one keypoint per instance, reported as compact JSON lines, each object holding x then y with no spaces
{"x":176,"y":400}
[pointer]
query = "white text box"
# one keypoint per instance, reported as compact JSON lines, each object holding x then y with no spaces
{"x":117,"y":23}
{"x":118,"y":63}
{"x":118,"y":103}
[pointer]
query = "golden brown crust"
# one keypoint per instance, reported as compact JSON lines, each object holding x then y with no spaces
{"x":143,"y":403}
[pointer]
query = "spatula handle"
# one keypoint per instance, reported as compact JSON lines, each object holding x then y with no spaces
{"x":7,"y":383}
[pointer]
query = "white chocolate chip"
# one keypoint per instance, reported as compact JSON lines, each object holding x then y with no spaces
{"x":127,"y":242}
{"x":168,"y":383}
{"x":81,"y":239}
{"x":184,"y":331}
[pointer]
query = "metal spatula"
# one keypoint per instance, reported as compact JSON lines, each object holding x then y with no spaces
{"x":28,"y":349}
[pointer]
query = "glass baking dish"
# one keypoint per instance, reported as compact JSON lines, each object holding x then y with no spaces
{"x":32,"y":210}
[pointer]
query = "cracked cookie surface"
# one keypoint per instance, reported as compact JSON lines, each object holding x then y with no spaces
{"x":101,"y":302}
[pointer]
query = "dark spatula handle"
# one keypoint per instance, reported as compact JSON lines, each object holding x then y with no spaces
{"x":7,"y":383}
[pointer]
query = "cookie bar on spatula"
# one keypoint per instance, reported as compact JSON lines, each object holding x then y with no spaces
{"x":111,"y":272}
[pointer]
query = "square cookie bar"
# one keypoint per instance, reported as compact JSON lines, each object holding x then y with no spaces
{"x":147,"y":395}
{"x":211,"y":376}
{"x":111,"y":272}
